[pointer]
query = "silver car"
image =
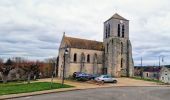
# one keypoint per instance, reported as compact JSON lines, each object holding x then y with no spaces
{"x":106,"y":78}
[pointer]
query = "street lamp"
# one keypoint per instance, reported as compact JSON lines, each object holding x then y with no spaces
{"x":161,"y":57}
{"x":65,"y":53}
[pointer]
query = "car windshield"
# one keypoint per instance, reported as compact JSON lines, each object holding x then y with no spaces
{"x":101,"y":76}
{"x":105,"y":76}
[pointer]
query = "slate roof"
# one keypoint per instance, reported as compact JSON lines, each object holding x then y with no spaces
{"x":152,"y":69}
{"x":83,"y":43}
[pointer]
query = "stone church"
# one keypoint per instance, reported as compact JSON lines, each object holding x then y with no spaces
{"x":113,"y":56}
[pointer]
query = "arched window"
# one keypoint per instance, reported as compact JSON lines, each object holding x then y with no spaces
{"x":121,"y":63}
{"x":88,"y":58}
{"x":108,"y":30}
{"x":107,"y":47}
{"x":118,"y":30}
{"x":121,"y":48}
{"x":123,"y":30}
{"x":75,"y":57}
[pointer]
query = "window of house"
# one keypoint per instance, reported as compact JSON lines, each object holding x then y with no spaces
{"x":162,"y":78}
{"x":147,"y":74}
{"x":75,"y":57}
{"x":154,"y":75}
{"x":118,"y":30}
{"x":88,"y":58}
{"x":123,"y":30}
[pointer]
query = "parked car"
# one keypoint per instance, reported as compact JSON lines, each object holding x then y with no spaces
{"x":83,"y":75}
{"x":75,"y":74}
{"x":106,"y":78}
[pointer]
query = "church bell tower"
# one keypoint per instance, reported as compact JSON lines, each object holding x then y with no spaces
{"x":118,"y":50}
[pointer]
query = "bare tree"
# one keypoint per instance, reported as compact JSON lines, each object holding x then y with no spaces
{"x":53,"y":64}
{"x":31,"y":70}
{"x":1,"y":62}
{"x":5,"y":69}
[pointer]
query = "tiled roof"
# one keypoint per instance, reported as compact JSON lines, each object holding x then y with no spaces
{"x":83,"y":43}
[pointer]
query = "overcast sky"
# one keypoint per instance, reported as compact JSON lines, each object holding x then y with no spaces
{"x":34,"y":28}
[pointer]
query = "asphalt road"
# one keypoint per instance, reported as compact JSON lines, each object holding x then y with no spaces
{"x":114,"y":93}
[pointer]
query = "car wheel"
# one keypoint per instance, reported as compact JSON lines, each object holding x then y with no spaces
{"x":115,"y":81}
{"x":102,"y":81}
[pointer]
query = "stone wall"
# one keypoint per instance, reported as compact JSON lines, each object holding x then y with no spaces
{"x":88,"y":67}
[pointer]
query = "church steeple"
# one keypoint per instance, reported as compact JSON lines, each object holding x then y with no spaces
{"x":116,"y":26}
{"x":116,"y":36}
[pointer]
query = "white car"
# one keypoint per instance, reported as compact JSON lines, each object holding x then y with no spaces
{"x":106,"y":78}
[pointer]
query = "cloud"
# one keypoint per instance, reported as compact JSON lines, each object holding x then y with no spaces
{"x":34,"y":28}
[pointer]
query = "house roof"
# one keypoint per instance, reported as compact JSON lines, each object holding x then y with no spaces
{"x":152,"y":69}
{"x":83,"y":43}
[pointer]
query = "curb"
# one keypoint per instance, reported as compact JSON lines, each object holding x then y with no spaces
{"x":33,"y":94}
{"x":140,"y":86}
{"x":11,"y":96}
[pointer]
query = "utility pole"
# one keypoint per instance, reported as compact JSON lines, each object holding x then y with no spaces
{"x":141,"y":72}
{"x":160,"y":64}
{"x":141,"y":61}
{"x":159,"y":61}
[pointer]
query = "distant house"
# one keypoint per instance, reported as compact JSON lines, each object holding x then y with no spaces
{"x":154,"y":72}
{"x":165,"y":75}
{"x":151,"y":72}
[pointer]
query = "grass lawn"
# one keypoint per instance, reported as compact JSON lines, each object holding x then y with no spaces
{"x":14,"y":88}
{"x":146,"y":79}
